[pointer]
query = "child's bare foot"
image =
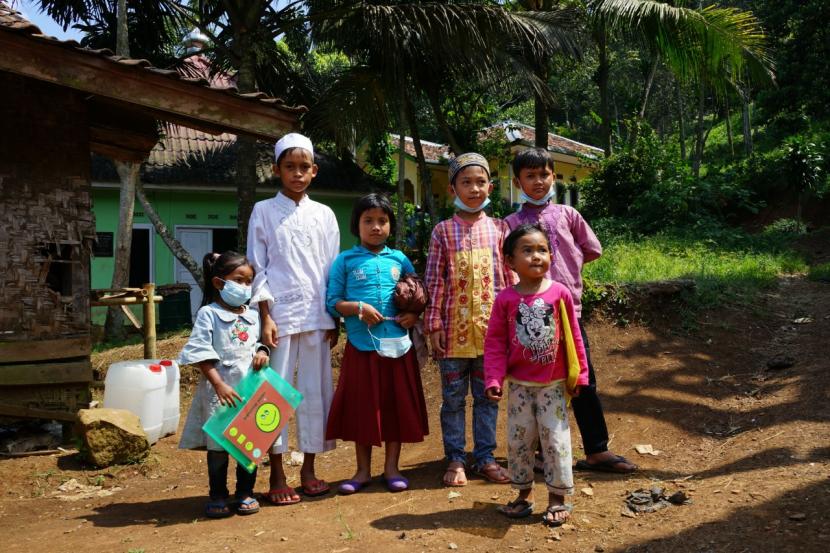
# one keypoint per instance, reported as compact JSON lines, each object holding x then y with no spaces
{"x":558,"y":512}
{"x":455,"y":477}
{"x":279,"y":492}
{"x":520,"y":507}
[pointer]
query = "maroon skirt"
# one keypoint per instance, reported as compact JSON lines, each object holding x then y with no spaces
{"x":378,"y":399}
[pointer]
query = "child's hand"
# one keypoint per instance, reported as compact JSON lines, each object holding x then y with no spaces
{"x":260,"y":360}
{"x":332,"y":336}
{"x":270,"y":335}
{"x":226,"y":394}
{"x":406,"y":319}
{"x":438,"y":340}
{"x":576,"y":391}
{"x":493,"y":393}
{"x":371,"y":316}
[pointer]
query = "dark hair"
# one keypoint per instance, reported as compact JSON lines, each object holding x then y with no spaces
{"x":371,"y":201}
{"x":289,"y":150}
{"x":532,"y":158}
{"x":219,"y":265}
{"x":522,"y":230}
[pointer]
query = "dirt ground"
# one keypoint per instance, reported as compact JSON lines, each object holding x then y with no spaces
{"x":751,"y":447}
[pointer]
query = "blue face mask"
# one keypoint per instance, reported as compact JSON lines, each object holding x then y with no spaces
{"x":464,"y":207}
{"x":391,"y":347}
{"x":235,"y":294}
{"x":541,"y":201}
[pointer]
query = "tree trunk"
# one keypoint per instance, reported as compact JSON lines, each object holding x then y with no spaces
{"x":729,"y":136}
{"x":400,"y":233}
{"x":682,"y":121}
{"x":699,"y":132}
{"x":423,"y":170}
{"x":246,"y":153}
{"x":161,"y":229}
{"x":128,"y":175}
{"x":747,"y":123}
{"x":541,"y":120}
{"x":122,"y":37}
{"x":649,"y":82}
{"x":601,"y":78}
{"x":449,"y":136}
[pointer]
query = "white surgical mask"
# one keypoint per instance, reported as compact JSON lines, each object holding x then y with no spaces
{"x":391,"y":347}
{"x":541,"y":201}
{"x":464,"y":207}
{"x":235,"y":294}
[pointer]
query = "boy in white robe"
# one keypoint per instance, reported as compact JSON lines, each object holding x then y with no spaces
{"x":292,"y":242}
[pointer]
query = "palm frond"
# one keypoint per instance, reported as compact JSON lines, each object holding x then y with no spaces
{"x":712,"y":44}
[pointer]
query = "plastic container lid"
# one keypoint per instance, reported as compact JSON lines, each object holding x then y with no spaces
{"x":166,"y":363}
{"x":155,"y":368}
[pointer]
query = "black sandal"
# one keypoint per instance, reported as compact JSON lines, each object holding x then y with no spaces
{"x":527,"y":509}
{"x":608,"y":465}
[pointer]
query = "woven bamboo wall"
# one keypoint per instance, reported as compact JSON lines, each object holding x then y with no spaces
{"x":46,"y":223}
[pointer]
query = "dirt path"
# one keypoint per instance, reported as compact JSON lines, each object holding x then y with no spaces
{"x":750,"y":446}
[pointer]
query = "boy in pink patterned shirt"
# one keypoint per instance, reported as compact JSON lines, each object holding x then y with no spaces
{"x":465,"y":271}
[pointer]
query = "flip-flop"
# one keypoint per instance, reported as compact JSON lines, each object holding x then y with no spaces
{"x":272,"y":493}
{"x":313,"y":488}
{"x":608,"y":465}
{"x":485,"y":472}
{"x":249,"y":503}
{"x":217,"y":508}
{"x":396,"y":484}
{"x":527,"y":509}
{"x":556,"y":509}
{"x":350,"y":487}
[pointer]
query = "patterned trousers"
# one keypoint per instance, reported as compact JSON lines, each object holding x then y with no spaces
{"x":539,"y":413}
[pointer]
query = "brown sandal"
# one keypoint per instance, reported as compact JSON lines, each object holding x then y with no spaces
{"x":493,"y":473}
{"x":455,"y":473}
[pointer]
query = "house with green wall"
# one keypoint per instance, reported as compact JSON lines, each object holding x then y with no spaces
{"x":189,"y":181}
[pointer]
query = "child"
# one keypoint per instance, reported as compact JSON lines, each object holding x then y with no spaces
{"x":533,"y":339}
{"x":465,"y":271}
{"x":223,"y":344}
{"x":292,"y":241}
{"x":379,"y":396}
{"x":574,"y":244}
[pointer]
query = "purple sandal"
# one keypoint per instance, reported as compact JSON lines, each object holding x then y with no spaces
{"x":396,"y":484}
{"x":350,"y":487}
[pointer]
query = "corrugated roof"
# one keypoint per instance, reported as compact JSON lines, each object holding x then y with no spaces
{"x":433,"y":152}
{"x":12,"y":21}
{"x":514,"y":132}
{"x":184,"y":156}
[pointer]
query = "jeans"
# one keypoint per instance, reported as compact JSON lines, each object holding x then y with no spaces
{"x":217,"y":462}
{"x":458,"y":376}
{"x":588,"y":409}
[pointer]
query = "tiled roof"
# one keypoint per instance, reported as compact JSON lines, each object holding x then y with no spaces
{"x":185,"y":156}
{"x":12,"y":21}
{"x":514,"y":132}
{"x":433,"y":152}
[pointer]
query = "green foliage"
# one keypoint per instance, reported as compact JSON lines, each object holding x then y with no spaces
{"x":727,"y":264}
{"x":803,"y":164}
{"x":379,"y":161}
{"x":784,"y":227}
{"x":820,"y":272}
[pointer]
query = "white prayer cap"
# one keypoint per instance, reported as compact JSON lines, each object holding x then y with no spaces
{"x":292,"y":140}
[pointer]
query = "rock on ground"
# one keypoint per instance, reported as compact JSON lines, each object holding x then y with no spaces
{"x":112,"y":436}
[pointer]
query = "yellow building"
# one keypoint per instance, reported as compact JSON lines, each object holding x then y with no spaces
{"x":573,"y":161}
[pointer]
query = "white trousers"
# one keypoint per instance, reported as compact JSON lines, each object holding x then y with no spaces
{"x":539,"y":413}
{"x":304,"y":360}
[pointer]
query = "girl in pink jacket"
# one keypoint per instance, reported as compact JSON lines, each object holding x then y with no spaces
{"x":533,"y":341}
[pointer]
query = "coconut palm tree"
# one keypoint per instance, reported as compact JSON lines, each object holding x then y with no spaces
{"x":404,"y":49}
{"x":713,"y":45}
